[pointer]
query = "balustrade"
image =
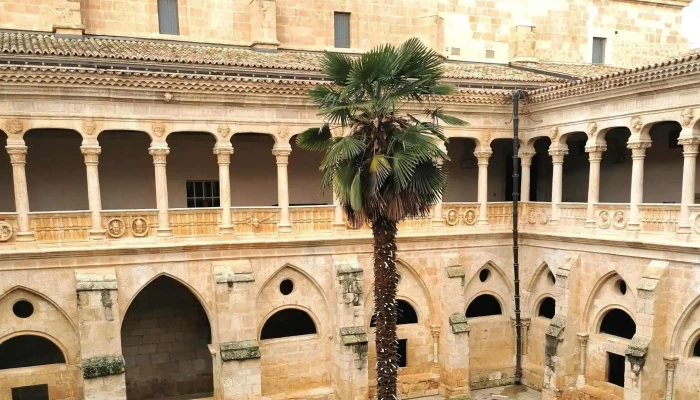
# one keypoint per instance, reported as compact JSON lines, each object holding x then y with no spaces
{"x":659,"y":218}
{"x":572,"y":215}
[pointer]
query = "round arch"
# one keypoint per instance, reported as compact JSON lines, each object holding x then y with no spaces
{"x":488,"y":293}
{"x":588,"y":308}
{"x":545,"y":306}
{"x":424,"y":288}
{"x":410,"y":303}
{"x":614,"y":320}
{"x":48,"y":339}
{"x":312,"y":316}
{"x":692,"y":345}
{"x":676,"y":336}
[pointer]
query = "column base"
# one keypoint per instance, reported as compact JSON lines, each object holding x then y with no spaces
{"x":591,"y":223}
{"x":684,"y":229}
{"x":164,"y":232}
{"x":225,"y":230}
{"x":437,"y":222}
{"x":97,"y":234}
{"x":634,"y":226}
{"x":482,"y":222}
{"x":338,"y":226}
{"x":553,"y":222}
{"x":284,"y":228}
{"x":25,"y":237}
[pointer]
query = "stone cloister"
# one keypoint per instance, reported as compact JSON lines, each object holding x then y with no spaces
{"x":163,"y":237}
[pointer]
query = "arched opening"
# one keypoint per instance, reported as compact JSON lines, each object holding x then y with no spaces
{"x":29,"y":351}
{"x":127,"y":175}
{"x":616,"y":167}
{"x":305,"y":178}
{"x":500,"y":172}
{"x":165,"y":337}
{"x":56,"y":179}
{"x":193,"y":172}
{"x":541,"y":171}
{"x":7,"y":198}
{"x":463,"y":171}
{"x":482,"y":306}
{"x":406,"y":314}
{"x":547,"y":308}
{"x":575,"y":169}
{"x":286,"y":323}
{"x":696,"y":348}
{"x":253,"y":170}
{"x":663,"y":164}
{"x":618,"y":323}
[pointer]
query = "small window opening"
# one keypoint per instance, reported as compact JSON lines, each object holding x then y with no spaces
{"x":286,"y":323}
{"x":406,"y":314}
{"x":202,"y":194}
{"x":483,"y":306}
{"x":35,"y":392}
{"x":484,"y":275}
{"x":402,"y":352}
{"x":616,"y":369}
{"x":23,"y":309}
{"x":168,"y":19}
{"x":286,"y":287}
{"x":696,"y":349}
{"x":29,"y":351}
{"x":598,"y":50}
{"x":622,"y":287}
{"x":618,"y":323}
{"x":547,"y":308}
{"x":342,"y":29}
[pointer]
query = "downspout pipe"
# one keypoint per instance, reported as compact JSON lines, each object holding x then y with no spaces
{"x":517,"y":94}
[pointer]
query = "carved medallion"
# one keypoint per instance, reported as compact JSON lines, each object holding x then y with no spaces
{"x":116,"y":227}
{"x":470,"y":217}
{"x":592,"y":129}
{"x":697,"y":224}
{"x":604,"y":219}
{"x":687,"y":117}
{"x":532,"y":216}
{"x":282,"y":131}
{"x":5,"y":231}
{"x":14,"y":126}
{"x":544,"y":218}
{"x":139,"y":227}
{"x":89,"y":127}
{"x":167,"y":97}
{"x":636,"y":124}
{"x":158,"y":129}
{"x":224,"y":130}
{"x":619,"y":220}
{"x":451,"y":217}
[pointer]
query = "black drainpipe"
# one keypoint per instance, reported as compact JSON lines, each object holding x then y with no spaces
{"x":516,"y":265}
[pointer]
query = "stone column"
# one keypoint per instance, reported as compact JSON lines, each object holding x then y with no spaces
{"x":223,"y":158}
{"x":282,"y":156}
{"x":159,"y":154}
{"x":482,"y":157}
{"x":557,"y":174}
{"x":525,"y":163}
{"x":92,"y":154}
{"x":437,"y":219}
{"x":637,"y":192}
{"x":100,"y":335}
{"x":671,"y":363}
{"x":18,"y":159}
{"x":690,"y":156}
{"x":435,"y":333}
{"x":338,"y":223}
{"x":595,"y":155}
{"x":583,"y":344}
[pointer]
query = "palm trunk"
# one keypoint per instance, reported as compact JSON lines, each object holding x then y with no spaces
{"x":385,"y":282}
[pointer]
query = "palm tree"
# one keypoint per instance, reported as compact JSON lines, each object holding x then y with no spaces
{"x":387,"y":167}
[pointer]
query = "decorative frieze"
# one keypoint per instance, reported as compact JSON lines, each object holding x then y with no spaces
{"x":239,"y":351}
{"x":97,"y":367}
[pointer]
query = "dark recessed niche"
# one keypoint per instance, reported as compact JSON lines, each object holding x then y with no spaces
{"x":23,"y":309}
{"x":622,"y":287}
{"x":286,"y":286}
{"x":484,"y":275}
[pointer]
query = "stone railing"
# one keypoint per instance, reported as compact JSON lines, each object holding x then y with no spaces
{"x":656,"y":220}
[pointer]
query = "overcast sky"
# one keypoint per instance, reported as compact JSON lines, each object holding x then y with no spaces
{"x":691,"y":23}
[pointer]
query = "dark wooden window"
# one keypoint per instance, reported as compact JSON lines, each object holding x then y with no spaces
{"x":599,"y":50}
{"x":202,"y":194}
{"x":168,"y":20}
{"x":341,"y":23}
{"x":402,"y":351}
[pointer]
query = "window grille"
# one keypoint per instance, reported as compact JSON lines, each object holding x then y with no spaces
{"x":168,"y":22}
{"x":202,"y":194}
{"x":598,"y":50}
{"x":342,"y":29}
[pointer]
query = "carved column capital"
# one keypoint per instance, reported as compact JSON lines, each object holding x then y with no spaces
{"x":18,"y":154}
{"x":671,"y":362}
{"x":583,"y":338}
{"x":91,"y":154}
{"x":223,"y":155}
{"x":159,"y":154}
{"x":282,"y":155}
{"x":595,"y":152}
{"x":482,"y":156}
{"x":558,"y":154}
{"x":639,"y":148}
{"x":690,"y":145}
{"x":526,"y":157}
{"x":435,"y":331}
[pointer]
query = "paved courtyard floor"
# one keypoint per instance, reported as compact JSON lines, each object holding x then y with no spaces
{"x":501,"y":393}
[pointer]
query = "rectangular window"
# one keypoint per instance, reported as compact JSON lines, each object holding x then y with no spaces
{"x":403,"y":359}
{"x":616,"y":369}
{"x":598,"y":50}
{"x":342,"y":29}
{"x":201,"y":194}
{"x":38,"y":392}
{"x":168,"y":22}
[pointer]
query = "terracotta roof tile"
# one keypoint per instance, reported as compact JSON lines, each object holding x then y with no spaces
{"x":227,"y":56}
{"x":576,"y":70}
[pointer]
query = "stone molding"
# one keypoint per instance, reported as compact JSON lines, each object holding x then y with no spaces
{"x":98,"y":367}
{"x":85,"y":282}
{"x":353,"y":335}
{"x":239,"y":351}
{"x":459,"y":323}
{"x":237,"y":271}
